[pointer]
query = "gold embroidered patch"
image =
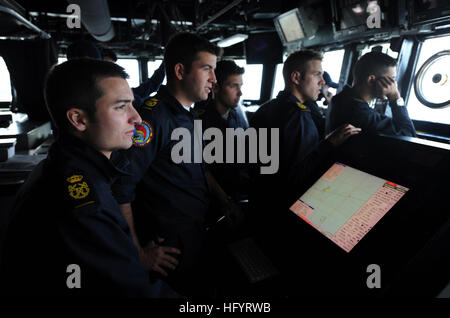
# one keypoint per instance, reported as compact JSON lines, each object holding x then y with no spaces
{"x":75,"y":178}
{"x":303,"y":107}
{"x":152,"y":102}
{"x":77,"y":189}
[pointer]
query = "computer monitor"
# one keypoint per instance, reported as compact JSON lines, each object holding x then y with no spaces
{"x":346,"y":203}
{"x":378,"y":200}
{"x":426,"y":11}
{"x":352,"y":17}
{"x":289,"y":27}
{"x":263,"y":48}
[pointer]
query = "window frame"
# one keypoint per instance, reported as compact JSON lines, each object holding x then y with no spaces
{"x":423,"y":124}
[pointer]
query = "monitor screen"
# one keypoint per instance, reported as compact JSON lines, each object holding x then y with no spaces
{"x":263,"y":48}
{"x":346,"y":203}
{"x":356,"y":13}
{"x":430,"y":10}
{"x":289,"y":26}
{"x":424,"y":5}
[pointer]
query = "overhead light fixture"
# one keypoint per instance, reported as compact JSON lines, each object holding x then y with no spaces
{"x":232,"y":40}
{"x":216,"y":39}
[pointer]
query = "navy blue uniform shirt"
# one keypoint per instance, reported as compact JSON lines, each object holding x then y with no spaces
{"x":232,"y":177}
{"x":300,"y":148}
{"x":170,"y":199}
{"x":298,"y":132}
{"x":66,"y":214}
{"x":143,"y":91}
{"x":318,"y":117}
{"x":348,"y":107}
{"x":301,"y":153}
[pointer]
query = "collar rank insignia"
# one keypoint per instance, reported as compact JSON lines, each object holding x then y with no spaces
{"x":76,"y":188}
{"x":143,"y":134}
{"x":151,"y":103}
{"x":302,"y":107}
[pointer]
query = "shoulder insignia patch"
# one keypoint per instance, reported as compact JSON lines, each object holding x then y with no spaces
{"x":77,"y":188}
{"x":151,"y":103}
{"x":143,"y":134}
{"x":302,"y":107}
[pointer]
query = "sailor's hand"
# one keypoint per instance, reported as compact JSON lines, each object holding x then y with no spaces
{"x":341,"y":134}
{"x":158,"y":258}
{"x":388,"y":87}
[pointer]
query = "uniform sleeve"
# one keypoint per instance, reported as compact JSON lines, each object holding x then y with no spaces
{"x":148,"y":140}
{"x":373,"y":122}
{"x":107,"y":256}
{"x":150,"y":85}
{"x":95,"y":236}
{"x":403,"y":123}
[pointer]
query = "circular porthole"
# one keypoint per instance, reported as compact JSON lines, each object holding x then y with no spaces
{"x":432,"y":82}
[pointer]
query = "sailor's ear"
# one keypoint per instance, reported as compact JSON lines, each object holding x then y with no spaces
{"x":77,"y":118}
{"x":296,"y":77}
{"x":180,"y":71}
{"x":371,"y":80}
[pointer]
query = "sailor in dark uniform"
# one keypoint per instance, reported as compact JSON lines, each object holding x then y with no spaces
{"x":222,"y":112}
{"x":67,"y":235}
{"x":300,"y":148}
{"x":374,"y":77}
{"x":169,"y":187}
{"x":170,"y":199}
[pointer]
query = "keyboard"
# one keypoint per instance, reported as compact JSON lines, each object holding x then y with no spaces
{"x":256,"y":266}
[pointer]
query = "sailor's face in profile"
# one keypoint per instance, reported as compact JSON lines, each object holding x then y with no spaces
{"x":313,"y":81}
{"x":115,"y":116}
{"x":198,"y":83}
{"x":229,"y":93}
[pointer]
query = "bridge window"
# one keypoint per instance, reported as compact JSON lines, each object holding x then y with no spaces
{"x":278,"y":84}
{"x":251,"y":90}
{"x":416,"y":109}
{"x":5,"y":82}
{"x":152,"y":66}
{"x":131,"y":66}
{"x":332,"y":64}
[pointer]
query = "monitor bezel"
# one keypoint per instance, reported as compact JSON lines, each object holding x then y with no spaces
{"x":280,"y":31}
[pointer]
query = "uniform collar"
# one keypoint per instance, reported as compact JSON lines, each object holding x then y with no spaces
{"x":352,"y":93}
{"x":173,"y":104}
{"x":80,"y":150}
{"x":289,"y":97}
{"x":211,"y":109}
